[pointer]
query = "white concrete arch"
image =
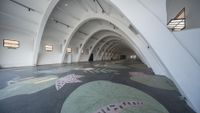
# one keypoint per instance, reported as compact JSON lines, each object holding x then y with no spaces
{"x":120,"y":44}
{"x":109,"y":42}
{"x":95,"y":44}
{"x":77,"y":57}
{"x":114,"y":50}
{"x":155,"y":62}
{"x":99,"y":46}
{"x":163,"y":45}
{"x":111,"y":48}
{"x":100,"y":39}
{"x":46,"y":13}
{"x":88,"y":37}
{"x":147,"y":56}
{"x":96,"y":39}
{"x":118,"y":52}
{"x":38,"y":39}
{"x":139,"y":55}
{"x":106,"y":49}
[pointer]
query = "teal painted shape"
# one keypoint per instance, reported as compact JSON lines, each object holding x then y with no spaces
{"x":92,"y":96}
{"x":27,"y":86}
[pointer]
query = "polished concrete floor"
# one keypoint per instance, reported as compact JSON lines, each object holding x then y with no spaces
{"x":88,"y":88}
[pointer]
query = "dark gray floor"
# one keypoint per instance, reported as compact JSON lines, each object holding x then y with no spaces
{"x":47,"y":99}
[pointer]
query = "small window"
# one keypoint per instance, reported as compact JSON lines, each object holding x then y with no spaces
{"x":49,"y":48}
{"x":69,"y":50}
{"x":11,"y":44}
{"x":179,"y":22}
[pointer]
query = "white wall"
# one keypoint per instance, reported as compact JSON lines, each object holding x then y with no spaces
{"x":191,"y":41}
{"x":17,"y":23}
{"x":192,"y":11}
{"x":158,"y":8}
{"x":21,"y":56}
{"x":52,"y":57}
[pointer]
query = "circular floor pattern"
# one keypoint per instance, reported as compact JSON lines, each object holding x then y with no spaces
{"x":155,"y":81}
{"x":106,"y":97}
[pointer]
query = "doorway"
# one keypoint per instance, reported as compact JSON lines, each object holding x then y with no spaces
{"x":91,"y":58}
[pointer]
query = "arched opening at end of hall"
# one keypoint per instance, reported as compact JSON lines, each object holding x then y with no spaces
{"x":91,"y":59}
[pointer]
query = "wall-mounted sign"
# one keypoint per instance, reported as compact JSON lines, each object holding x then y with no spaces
{"x":49,"y":48}
{"x":69,"y":50}
{"x":13,"y":44}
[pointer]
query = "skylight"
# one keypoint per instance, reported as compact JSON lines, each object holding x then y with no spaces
{"x":179,"y":22}
{"x":49,"y":48}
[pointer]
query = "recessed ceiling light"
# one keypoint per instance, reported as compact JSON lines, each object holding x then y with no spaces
{"x":66,"y":5}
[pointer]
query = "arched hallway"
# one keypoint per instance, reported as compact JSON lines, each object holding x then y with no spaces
{"x":48,"y":45}
{"x":46,"y":89}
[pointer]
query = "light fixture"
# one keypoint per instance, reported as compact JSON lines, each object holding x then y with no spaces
{"x":133,"y":57}
{"x":82,"y":32}
{"x":69,"y":50}
{"x":49,"y":48}
{"x":13,"y":44}
{"x":59,"y":22}
{"x":103,"y":11}
{"x":179,"y":22}
{"x":25,"y":6}
{"x":66,"y":5}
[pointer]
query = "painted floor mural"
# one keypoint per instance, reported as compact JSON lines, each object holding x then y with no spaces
{"x":98,"y":87}
{"x":108,"y":97}
{"x":69,"y":79}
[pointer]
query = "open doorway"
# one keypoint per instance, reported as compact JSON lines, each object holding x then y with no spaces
{"x":91,"y":58}
{"x":122,"y":57}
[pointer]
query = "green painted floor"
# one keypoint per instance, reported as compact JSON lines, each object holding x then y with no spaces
{"x":89,"y":97}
